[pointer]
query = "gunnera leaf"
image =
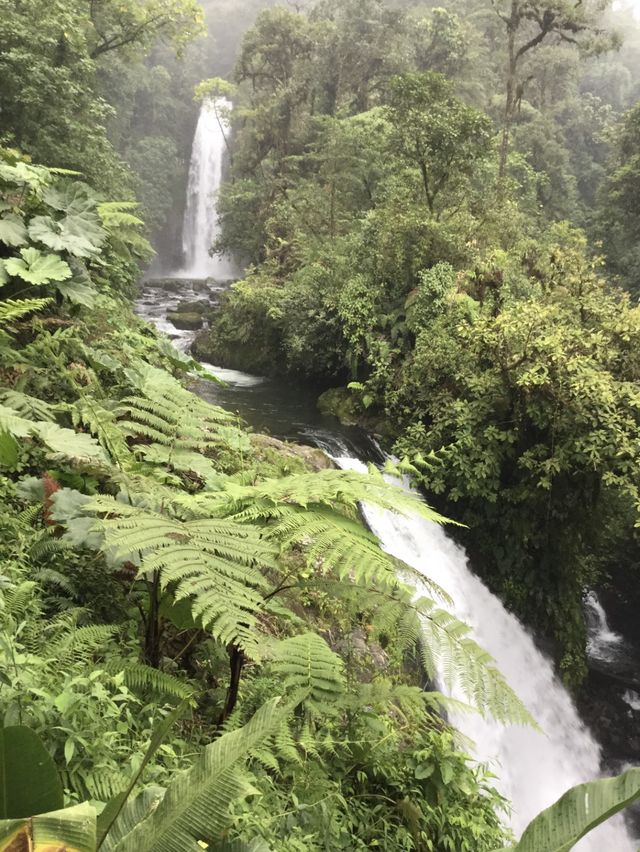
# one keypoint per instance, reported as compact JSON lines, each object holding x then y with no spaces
{"x":37,"y":268}
{"x":12,"y":230}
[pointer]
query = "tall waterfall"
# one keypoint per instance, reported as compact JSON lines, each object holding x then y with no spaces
{"x":200,"y":228}
{"x":534,"y":768}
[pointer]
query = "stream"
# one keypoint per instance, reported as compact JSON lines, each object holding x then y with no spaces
{"x":533,"y":768}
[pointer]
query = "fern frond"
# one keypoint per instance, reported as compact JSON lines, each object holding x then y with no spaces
{"x":214,"y":564}
{"x":141,"y":677}
{"x":413,"y":702}
{"x":12,"y":310}
{"x":27,"y":406}
{"x":449,"y":654}
{"x":307,"y":665}
{"x":19,"y":599}
{"x":342,"y":546}
{"x":101,"y":422}
{"x":49,"y":577}
{"x":340,"y":490}
{"x":81,"y":644}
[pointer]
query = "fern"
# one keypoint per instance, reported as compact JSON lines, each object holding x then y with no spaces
{"x":12,"y":310}
{"x":89,"y":414}
{"x":50,"y":577}
{"x":80,"y":644}
{"x":339,"y":490}
{"x":212,"y":563}
{"x":27,"y":406}
{"x":449,"y":653}
{"x":141,"y":677}
{"x":307,"y":666}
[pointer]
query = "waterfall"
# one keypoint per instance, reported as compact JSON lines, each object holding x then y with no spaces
{"x":200,"y":228}
{"x":534,"y":768}
{"x":603,"y":644}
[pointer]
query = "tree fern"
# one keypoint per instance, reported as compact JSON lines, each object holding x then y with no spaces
{"x":213,"y":563}
{"x":341,"y":490}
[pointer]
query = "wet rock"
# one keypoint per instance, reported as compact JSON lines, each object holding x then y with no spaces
{"x":340,"y":403}
{"x":313,"y":458}
{"x":197,"y":307}
{"x":247,"y":358}
{"x":367,"y":656}
{"x":186,"y":321}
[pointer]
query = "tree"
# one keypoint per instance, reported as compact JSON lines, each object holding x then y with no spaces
{"x":435,"y":131}
{"x":118,"y":26}
{"x":620,"y":217}
{"x":529,"y":23}
{"x":525,"y":415}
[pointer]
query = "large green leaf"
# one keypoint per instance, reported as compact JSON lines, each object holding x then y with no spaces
{"x":9,"y":448}
{"x":74,"y":445}
{"x":71,"y":198}
{"x":38,"y":268}
{"x":81,"y":236}
{"x":69,"y":830}
{"x":78,"y":293}
{"x":35,"y":177}
{"x":12,"y":230}
{"x":29,"y":782}
{"x":66,"y":442}
{"x":131,"y":814}
{"x":578,"y":812}
{"x":4,"y":277}
{"x":196,"y":805}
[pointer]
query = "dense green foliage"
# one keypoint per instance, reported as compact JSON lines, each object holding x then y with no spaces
{"x":153,"y":555}
{"x":396,"y":249}
{"x":200,"y":642}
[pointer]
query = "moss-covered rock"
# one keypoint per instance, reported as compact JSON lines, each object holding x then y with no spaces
{"x":341,"y":403}
{"x":200,"y":306}
{"x":289,"y":458}
{"x":245,"y":357}
{"x":186,"y":321}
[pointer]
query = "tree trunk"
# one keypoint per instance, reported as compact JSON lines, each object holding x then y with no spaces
{"x":236,"y":664}
{"x":512,"y":73}
{"x":152,"y":637}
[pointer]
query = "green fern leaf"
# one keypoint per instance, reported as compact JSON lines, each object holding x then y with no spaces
{"x":305,"y":664}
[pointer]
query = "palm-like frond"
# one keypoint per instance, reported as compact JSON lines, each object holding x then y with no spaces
{"x":195,"y":808}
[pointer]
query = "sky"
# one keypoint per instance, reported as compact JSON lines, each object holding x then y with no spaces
{"x":635,"y":4}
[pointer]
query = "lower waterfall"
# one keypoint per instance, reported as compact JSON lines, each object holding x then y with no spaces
{"x":534,"y":768}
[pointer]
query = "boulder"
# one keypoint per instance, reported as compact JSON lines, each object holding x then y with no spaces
{"x":186,"y":321}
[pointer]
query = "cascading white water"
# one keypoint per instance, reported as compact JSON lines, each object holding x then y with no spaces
{"x":604,"y":644}
{"x":200,"y":227}
{"x":534,"y":769}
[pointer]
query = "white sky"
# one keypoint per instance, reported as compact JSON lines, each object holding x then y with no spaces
{"x":635,"y":5}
